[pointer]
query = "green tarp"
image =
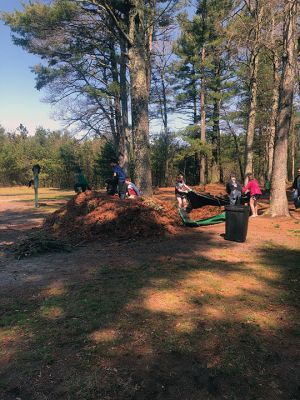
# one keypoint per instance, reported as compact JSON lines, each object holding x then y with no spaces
{"x":216,"y":219}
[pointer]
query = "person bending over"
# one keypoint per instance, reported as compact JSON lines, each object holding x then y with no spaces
{"x":255,"y":192}
{"x":132,"y":190}
{"x":181,"y":191}
{"x":81,"y":184}
{"x":234,"y":190}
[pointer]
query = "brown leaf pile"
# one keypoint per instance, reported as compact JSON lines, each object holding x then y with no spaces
{"x":205,"y":212}
{"x":90,"y":215}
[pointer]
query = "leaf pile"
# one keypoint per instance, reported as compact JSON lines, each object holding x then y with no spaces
{"x":205,"y":212}
{"x":37,"y":243}
{"x":92,"y":215}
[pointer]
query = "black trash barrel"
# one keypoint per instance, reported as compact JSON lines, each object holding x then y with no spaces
{"x":236,"y":224}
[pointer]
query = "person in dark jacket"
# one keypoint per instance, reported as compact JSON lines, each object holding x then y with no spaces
{"x":81,"y":184}
{"x":234,"y":190}
{"x":111,"y":186}
{"x":296,"y":189}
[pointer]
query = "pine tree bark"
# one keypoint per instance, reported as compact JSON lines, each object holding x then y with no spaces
{"x":116,"y":95}
{"x":202,"y":120}
{"x":125,"y":143}
{"x":166,"y":128}
{"x":139,"y":64}
{"x":257,"y":12}
{"x":202,"y":105}
{"x":252,"y":113}
{"x":274,"y":110}
{"x":291,"y":149}
{"x":279,"y":202}
{"x":275,"y":96}
{"x":217,"y":162}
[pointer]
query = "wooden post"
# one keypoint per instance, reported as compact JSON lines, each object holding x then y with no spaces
{"x":36,"y":170}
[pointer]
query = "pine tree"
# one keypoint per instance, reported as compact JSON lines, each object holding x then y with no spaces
{"x":279,"y":203}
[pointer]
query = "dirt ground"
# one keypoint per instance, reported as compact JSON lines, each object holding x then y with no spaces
{"x":186,"y":316}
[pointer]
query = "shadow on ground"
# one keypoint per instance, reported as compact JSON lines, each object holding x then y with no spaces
{"x":163,"y":323}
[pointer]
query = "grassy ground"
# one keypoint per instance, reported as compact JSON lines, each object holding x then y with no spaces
{"x":50,"y":198}
{"x":188,"y":318}
{"x":23,"y":192}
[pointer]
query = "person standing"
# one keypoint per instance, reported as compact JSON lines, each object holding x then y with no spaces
{"x":119,"y":174}
{"x":234,"y":190}
{"x":255,"y":192}
{"x":296,"y":189}
{"x":181,"y":191}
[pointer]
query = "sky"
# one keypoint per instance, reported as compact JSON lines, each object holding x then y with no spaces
{"x":20,"y":102}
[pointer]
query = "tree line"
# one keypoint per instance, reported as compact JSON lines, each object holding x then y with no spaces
{"x":225,"y":70}
{"x":60,"y":155}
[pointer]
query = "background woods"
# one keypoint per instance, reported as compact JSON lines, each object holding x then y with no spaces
{"x":218,"y":80}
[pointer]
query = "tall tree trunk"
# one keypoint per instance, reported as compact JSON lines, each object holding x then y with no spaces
{"x":139,"y":64}
{"x":291,"y":149}
{"x":166,"y":129}
{"x":260,"y":156}
{"x":274,"y":110}
{"x":254,"y":59}
{"x":217,"y":164}
{"x":275,"y":98}
{"x":202,"y":94}
{"x":216,"y":120}
{"x":116,"y":95}
{"x":236,"y":145}
{"x":194,"y":96}
{"x":125,"y":142}
{"x":163,"y":110}
{"x":279,"y":202}
{"x":256,"y":10}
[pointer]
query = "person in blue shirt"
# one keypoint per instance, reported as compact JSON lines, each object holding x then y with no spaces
{"x":119,"y":174}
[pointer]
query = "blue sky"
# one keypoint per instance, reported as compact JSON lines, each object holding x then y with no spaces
{"x":20,"y":102}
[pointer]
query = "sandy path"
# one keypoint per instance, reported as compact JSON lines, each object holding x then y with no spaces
{"x":18,"y":218}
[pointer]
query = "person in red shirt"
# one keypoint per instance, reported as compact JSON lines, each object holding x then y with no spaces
{"x":255,"y":192}
{"x":132,"y":190}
